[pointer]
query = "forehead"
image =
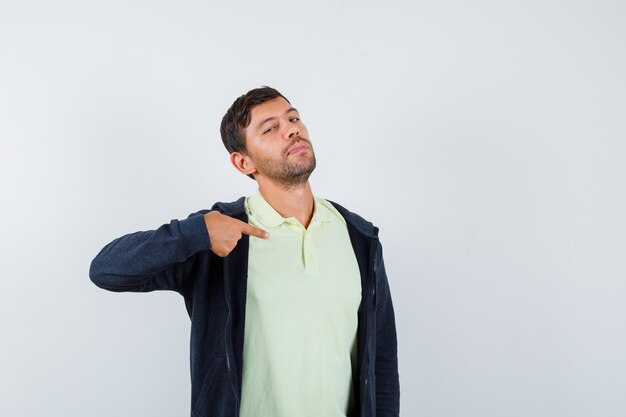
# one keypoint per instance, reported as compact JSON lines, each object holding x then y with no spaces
{"x":271,"y":108}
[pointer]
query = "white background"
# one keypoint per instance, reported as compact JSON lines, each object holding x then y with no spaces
{"x":486,"y":139}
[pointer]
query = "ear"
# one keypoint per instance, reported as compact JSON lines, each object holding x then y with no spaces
{"x":242,"y":163}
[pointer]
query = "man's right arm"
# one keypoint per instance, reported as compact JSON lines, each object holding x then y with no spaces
{"x":162,"y":259}
{"x":159,"y":259}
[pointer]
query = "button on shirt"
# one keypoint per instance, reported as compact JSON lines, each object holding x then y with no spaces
{"x":303,"y":294}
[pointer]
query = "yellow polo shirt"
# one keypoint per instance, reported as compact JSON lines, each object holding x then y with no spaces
{"x":303,"y":294}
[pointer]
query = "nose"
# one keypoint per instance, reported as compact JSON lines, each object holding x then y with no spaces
{"x":293,"y":130}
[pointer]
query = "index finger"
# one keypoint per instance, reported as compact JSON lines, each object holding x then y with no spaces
{"x":248,"y":229}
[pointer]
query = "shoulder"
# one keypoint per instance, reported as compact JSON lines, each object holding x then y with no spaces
{"x":231,"y":208}
{"x":359,"y":222}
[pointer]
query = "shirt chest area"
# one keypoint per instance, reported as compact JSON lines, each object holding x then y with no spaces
{"x":300,"y":268}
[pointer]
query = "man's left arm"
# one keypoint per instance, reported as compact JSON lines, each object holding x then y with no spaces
{"x":387,"y":378}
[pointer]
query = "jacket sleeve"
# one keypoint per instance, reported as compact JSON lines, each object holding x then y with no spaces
{"x":387,"y":377}
{"x":144,"y":261}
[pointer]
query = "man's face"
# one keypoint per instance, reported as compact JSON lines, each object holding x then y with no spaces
{"x":278,"y":143}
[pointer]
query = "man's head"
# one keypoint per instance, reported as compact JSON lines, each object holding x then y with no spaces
{"x":260,"y":130}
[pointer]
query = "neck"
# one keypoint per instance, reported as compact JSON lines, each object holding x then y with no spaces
{"x":290,"y":202}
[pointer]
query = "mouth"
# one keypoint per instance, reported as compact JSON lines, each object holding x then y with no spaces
{"x":299,"y":147}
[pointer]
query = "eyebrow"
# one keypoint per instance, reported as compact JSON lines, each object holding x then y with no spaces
{"x":290,"y":109}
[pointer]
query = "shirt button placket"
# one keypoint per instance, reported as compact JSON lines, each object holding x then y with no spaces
{"x":311,"y":265}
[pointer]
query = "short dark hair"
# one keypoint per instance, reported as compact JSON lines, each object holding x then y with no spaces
{"x":237,"y":118}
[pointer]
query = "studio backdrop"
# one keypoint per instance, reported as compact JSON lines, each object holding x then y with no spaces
{"x":485,"y":139}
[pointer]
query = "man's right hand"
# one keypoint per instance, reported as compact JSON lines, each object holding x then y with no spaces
{"x":225,"y":232}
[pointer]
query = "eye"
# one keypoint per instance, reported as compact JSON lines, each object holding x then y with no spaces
{"x":269,"y":129}
{"x":294,"y":118}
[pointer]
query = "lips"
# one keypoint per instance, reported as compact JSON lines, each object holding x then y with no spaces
{"x":298,"y":147}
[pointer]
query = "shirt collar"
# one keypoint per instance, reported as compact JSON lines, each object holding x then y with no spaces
{"x":261,"y":210}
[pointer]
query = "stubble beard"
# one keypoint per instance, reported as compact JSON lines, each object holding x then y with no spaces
{"x":290,"y":171}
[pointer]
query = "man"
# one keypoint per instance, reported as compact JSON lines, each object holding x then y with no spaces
{"x":290,"y":308}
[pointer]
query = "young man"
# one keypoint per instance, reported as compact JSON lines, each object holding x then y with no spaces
{"x":290,"y":308}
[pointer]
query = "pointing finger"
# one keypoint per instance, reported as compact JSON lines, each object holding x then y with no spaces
{"x":254,"y":231}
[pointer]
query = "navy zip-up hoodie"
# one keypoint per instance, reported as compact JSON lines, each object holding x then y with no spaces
{"x":177,"y":256}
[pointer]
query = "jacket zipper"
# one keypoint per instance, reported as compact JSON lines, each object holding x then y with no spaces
{"x":370,"y":287}
{"x":227,"y":333}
